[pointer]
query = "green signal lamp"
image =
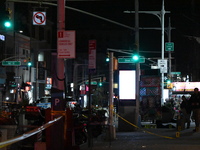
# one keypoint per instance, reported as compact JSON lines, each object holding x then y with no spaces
{"x":7,"y":24}
{"x":136,"y":58}
{"x":29,"y":64}
{"x":168,"y":81}
{"x":100,"y":84}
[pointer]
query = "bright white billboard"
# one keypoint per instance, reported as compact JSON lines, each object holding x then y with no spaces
{"x":185,"y":86}
{"x":127,"y":84}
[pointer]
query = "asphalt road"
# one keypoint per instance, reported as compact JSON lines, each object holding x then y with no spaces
{"x":148,"y":139}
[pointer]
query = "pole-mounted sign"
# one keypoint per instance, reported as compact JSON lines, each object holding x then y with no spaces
{"x":39,"y":18}
{"x":66,"y":44}
{"x":92,"y":54}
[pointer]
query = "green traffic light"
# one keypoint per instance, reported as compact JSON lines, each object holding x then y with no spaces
{"x":107,"y":59}
{"x":100,"y":84}
{"x":168,"y":81}
{"x":7,"y":24}
{"x":136,"y":57}
{"x":29,"y":64}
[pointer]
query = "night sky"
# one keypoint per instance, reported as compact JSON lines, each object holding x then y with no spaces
{"x":184,"y":18}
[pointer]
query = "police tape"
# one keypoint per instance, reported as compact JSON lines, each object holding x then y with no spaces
{"x":143,"y":129}
{"x":28,"y":134}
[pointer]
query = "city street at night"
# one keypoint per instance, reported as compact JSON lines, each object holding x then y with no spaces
{"x":99,"y":74}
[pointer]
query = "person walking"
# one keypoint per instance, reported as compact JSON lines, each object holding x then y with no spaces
{"x":186,"y":110}
{"x":195,"y":105}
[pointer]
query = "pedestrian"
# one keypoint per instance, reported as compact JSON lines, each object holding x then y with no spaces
{"x":195,"y":105}
{"x":186,"y":110}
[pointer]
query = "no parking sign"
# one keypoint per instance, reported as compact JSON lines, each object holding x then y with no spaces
{"x":39,"y":18}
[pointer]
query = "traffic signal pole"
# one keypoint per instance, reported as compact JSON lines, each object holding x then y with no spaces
{"x":137,"y":64}
{"x":162,"y":50}
{"x":111,"y":127}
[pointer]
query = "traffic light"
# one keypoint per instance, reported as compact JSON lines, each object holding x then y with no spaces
{"x":7,"y":18}
{"x":28,"y":62}
{"x":168,"y":81}
{"x":100,"y":84}
{"x":108,"y":57}
{"x":136,"y":58}
{"x":169,"y":84}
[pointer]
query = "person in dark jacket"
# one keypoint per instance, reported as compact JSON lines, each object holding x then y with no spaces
{"x":195,"y":105}
{"x":186,"y":110}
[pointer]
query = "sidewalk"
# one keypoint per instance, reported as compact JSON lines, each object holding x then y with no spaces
{"x":148,"y":139}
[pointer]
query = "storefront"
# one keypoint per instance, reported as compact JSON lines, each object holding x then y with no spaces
{"x":182,"y":88}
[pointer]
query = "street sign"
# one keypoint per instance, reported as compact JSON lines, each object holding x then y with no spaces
{"x":169,"y":46}
{"x":162,"y":63}
{"x":177,"y":73}
{"x":92,"y":54}
{"x":92,"y":82}
{"x":39,"y":18}
{"x":66,"y":44}
{"x":11,"y":63}
{"x":130,"y":60}
{"x":17,"y":77}
{"x":163,"y":70}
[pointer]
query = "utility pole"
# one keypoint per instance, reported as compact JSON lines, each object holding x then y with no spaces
{"x":137,"y":64}
{"x":162,"y":50}
{"x":112,"y":129}
{"x":169,"y":40}
{"x":160,"y":15}
{"x":60,"y":26}
{"x":169,"y":55}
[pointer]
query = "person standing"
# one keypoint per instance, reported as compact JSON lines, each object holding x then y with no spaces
{"x":186,"y":110}
{"x":195,"y":105}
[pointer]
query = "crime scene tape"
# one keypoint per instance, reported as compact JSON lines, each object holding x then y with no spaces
{"x":143,"y":129}
{"x":28,"y":134}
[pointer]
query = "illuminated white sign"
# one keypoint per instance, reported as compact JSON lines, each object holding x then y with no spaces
{"x":127,"y":84}
{"x":2,"y":37}
{"x":185,"y":86}
{"x":66,"y":44}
